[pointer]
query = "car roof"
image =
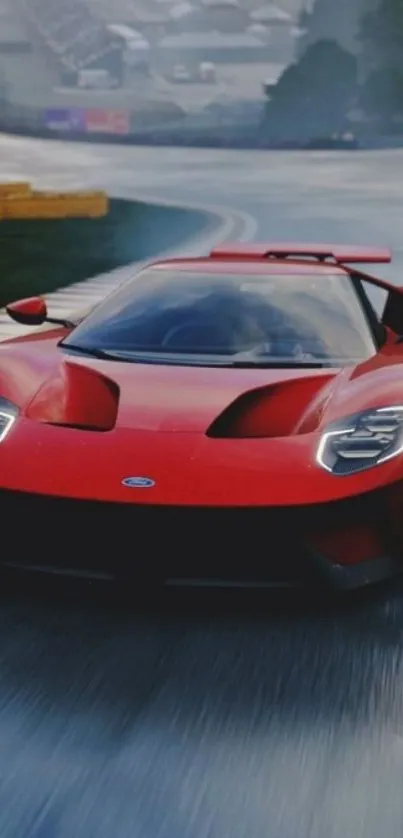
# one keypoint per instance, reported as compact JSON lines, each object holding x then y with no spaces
{"x":253,"y":266}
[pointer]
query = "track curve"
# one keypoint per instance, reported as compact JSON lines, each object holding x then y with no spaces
{"x":218,"y":717}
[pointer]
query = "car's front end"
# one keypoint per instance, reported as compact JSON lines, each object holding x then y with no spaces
{"x":216,"y":421}
{"x":177,"y":506}
{"x":342,"y":544}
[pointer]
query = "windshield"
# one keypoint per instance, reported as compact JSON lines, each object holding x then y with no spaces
{"x":169,"y":316}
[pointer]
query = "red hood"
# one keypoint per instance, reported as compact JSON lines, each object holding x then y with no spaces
{"x":50,"y":386}
{"x":160,"y":420}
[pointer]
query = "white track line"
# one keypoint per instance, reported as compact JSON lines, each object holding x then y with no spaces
{"x":82,"y":296}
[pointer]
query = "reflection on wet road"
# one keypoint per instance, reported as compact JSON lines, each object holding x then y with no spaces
{"x":208,"y":717}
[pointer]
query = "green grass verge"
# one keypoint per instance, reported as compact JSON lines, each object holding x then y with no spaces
{"x":38,"y":257}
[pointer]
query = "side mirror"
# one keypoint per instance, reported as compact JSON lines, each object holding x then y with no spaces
{"x":32,"y":311}
{"x":393,"y":312}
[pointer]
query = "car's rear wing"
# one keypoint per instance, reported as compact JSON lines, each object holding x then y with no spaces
{"x":342,"y":254}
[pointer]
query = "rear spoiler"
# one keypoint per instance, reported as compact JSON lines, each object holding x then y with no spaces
{"x":341,"y":254}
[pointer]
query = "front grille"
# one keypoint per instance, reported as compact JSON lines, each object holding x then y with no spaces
{"x":247,"y":544}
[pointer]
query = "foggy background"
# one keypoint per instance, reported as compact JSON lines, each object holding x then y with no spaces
{"x":241,"y":73}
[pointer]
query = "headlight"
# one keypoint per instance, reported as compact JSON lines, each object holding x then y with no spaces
{"x":362,"y":441}
{"x":8,"y":415}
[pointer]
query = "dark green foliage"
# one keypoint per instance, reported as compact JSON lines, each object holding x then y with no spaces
{"x":313,"y":95}
{"x":381,"y":37}
{"x":382,"y":95}
{"x":41,"y":256}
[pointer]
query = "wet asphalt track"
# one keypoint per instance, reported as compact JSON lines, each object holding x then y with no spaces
{"x":255,"y":716}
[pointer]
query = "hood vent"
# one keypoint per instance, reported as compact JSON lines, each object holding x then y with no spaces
{"x":76,"y":396}
{"x":273,"y":411}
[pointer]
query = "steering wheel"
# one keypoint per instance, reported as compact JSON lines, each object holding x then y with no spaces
{"x":192,"y":330}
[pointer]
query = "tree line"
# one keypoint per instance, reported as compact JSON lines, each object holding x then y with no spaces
{"x":330,"y":86}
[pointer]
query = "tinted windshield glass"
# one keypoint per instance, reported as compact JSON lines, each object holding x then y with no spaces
{"x":195,"y":317}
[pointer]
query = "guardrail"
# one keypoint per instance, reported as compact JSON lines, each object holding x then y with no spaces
{"x":20,"y":201}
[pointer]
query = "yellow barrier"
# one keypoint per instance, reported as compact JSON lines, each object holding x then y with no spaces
{"x":7,"y":189}
{"x":19,"y":201}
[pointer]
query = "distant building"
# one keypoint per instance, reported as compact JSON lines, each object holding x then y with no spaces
{"x":183,"y":17}
{"x":13,"y":36}
{"x":150,"y":20}
{"x":208,"y":16}
{"x":291,"y":7}
{"x":23,"y":71}
{"x":224,"y":15}
{"x":271,"y":15}
{"x":135,"y":48}
{"x":279,"y":31}
{"x":258,"y":30}
{"x":192,"y":48}
{"x":149,"y":17}
{"x":180,"y":11}
{"x":165,"y":4}
{"x":73,"y":38}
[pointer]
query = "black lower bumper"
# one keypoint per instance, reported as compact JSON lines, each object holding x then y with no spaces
{"x":188,"y":545}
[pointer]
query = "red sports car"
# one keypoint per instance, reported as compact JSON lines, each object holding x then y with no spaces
{"x":233,"y":419}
